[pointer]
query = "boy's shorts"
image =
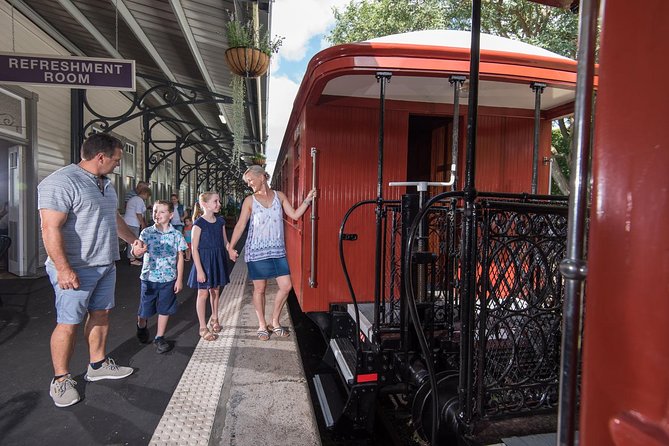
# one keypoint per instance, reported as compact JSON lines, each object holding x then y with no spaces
{"x":96,"y":292}
{"x":157,"y":297}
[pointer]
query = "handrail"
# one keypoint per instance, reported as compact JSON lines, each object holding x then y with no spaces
{"x":573,"y":267}
{"x":312,"y":272}
{"x":343,"y":266}
{"x":343,"y":262}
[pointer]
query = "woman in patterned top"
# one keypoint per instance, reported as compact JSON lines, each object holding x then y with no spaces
{"x":265,"y":251}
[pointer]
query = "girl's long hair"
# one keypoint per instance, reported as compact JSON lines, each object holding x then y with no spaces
{"x":202,"y":198}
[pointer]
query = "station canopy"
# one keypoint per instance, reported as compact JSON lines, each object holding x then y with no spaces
{"x":181,"y":41}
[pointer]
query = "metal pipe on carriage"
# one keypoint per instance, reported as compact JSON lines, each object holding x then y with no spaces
{"x":538,"y":89}
{"x":573,"y":267}
{"x":457,"y":82}
{"x":468,"y":254}
{"x":383,"y":77}
{"x":312,"y":272}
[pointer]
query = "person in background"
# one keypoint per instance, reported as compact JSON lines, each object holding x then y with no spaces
{"x":178,"y":214}
{"x":134,"y":216}
{"x":265,"y":252}
{"x":209,"y":272}
{"x":187,"y":235}
{"x":80,"y":225}
{"x":161,"y":276}
{"x":133,"y":192}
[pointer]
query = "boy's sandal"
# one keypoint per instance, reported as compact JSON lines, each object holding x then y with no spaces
{"x":263,"y":335}
{"x":207,"y":335}
{"x":215,"y":326}
{"x":280,"y":331}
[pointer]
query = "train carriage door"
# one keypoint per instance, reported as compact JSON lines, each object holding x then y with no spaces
{"x":429,"y":154}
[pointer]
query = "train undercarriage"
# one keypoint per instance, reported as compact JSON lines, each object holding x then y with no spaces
{"x":466,"y":318}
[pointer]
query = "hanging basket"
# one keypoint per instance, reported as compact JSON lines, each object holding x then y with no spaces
{"x":247,"y":62}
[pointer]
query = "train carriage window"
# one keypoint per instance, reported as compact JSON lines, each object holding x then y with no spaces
{"x":296,"y":185}
{"x":296,"y":173}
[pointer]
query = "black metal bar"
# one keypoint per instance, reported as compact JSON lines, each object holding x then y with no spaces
{"x":468,"y":255}
{"x":342,"y":259}
{"x":383,"y":78}
{"x":147,"y":156}
{"x":76,"y":123}
{"x":573,"y":267}
{"x":177,"y":163}
{"x":538,"y":89}
{"x":457,"y":82}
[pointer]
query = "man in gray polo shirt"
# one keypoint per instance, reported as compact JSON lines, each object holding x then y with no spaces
{"x":80,"y":227}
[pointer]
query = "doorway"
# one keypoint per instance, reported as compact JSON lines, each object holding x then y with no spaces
{"x":18,"y":180}
{"x":429,"y":149}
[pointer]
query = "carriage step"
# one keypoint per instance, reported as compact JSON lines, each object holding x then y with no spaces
{"x":329,"y":398}
{"x":346,"y":357}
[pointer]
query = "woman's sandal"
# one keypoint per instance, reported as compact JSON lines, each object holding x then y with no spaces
{"x":280,"y":331}
{"x":207,"y":335}
{"x":263,"y":335}
{"x":215,"y":326}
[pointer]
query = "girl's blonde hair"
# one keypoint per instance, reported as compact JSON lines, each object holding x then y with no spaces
{"x":202,"y":198}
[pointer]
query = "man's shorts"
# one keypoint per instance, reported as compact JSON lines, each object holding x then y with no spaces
{"x":157,"y":297}
{"x":268,"y":268}
{"x":97,"y":285}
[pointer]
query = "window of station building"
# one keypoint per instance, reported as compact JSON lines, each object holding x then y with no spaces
{"x":12,"y":114}
{"x":169,"y":177}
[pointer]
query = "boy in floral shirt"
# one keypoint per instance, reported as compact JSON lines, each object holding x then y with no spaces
{"x":162,"y":274}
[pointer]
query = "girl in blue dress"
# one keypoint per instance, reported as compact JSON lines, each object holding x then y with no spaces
{"x":209,"y":272}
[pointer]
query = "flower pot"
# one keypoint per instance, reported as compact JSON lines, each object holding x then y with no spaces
{"x":248,"y":62}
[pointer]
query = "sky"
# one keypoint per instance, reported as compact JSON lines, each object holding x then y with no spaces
{"x":303,"y":39}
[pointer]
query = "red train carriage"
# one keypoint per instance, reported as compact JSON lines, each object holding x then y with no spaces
{"x":337,"y":113}
{"x":487,"y":325}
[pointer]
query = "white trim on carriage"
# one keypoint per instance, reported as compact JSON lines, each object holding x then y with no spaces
{"x":462,"y":39}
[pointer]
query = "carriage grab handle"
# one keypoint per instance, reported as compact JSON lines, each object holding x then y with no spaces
{"x":312,"y":272}
{"x":423,"y":185}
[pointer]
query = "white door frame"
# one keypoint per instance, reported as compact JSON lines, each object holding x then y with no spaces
{"x":24,"y":256}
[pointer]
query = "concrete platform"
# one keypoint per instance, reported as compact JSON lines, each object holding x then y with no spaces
{"x":236,"y":390}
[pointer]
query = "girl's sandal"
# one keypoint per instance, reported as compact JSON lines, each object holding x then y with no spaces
{"x":215,"y":326}
{"x":280,"y":331}
{"x":207,"y":335}
{"x":263,"y":335}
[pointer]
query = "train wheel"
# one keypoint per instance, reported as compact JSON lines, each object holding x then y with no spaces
{"x":421,"y":408}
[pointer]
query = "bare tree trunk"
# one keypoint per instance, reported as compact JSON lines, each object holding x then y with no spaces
{"x":566,"y":134}
{"x":559,"y":178}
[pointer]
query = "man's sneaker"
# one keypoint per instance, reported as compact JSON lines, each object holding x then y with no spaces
{"x":162,"y":346}
{"x":63,"y":392}
{"x":109,"y":370}
{"x":143,"y":334}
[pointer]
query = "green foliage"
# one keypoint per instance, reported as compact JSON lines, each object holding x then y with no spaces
{"x":550,"y":28}
{"x":367,"y":19}
{"x":243,"y":34}
{"x":238,"y":118}
{"x":259,"y":159}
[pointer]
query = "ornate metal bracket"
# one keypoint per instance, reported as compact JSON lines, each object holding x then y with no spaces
{"x":212,"y":145}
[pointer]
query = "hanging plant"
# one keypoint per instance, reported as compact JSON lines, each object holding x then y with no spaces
{"x":248,"y":55}
{"x":238,"y":118}
{"x":249,"y":50}
{"x":259,"y":158}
